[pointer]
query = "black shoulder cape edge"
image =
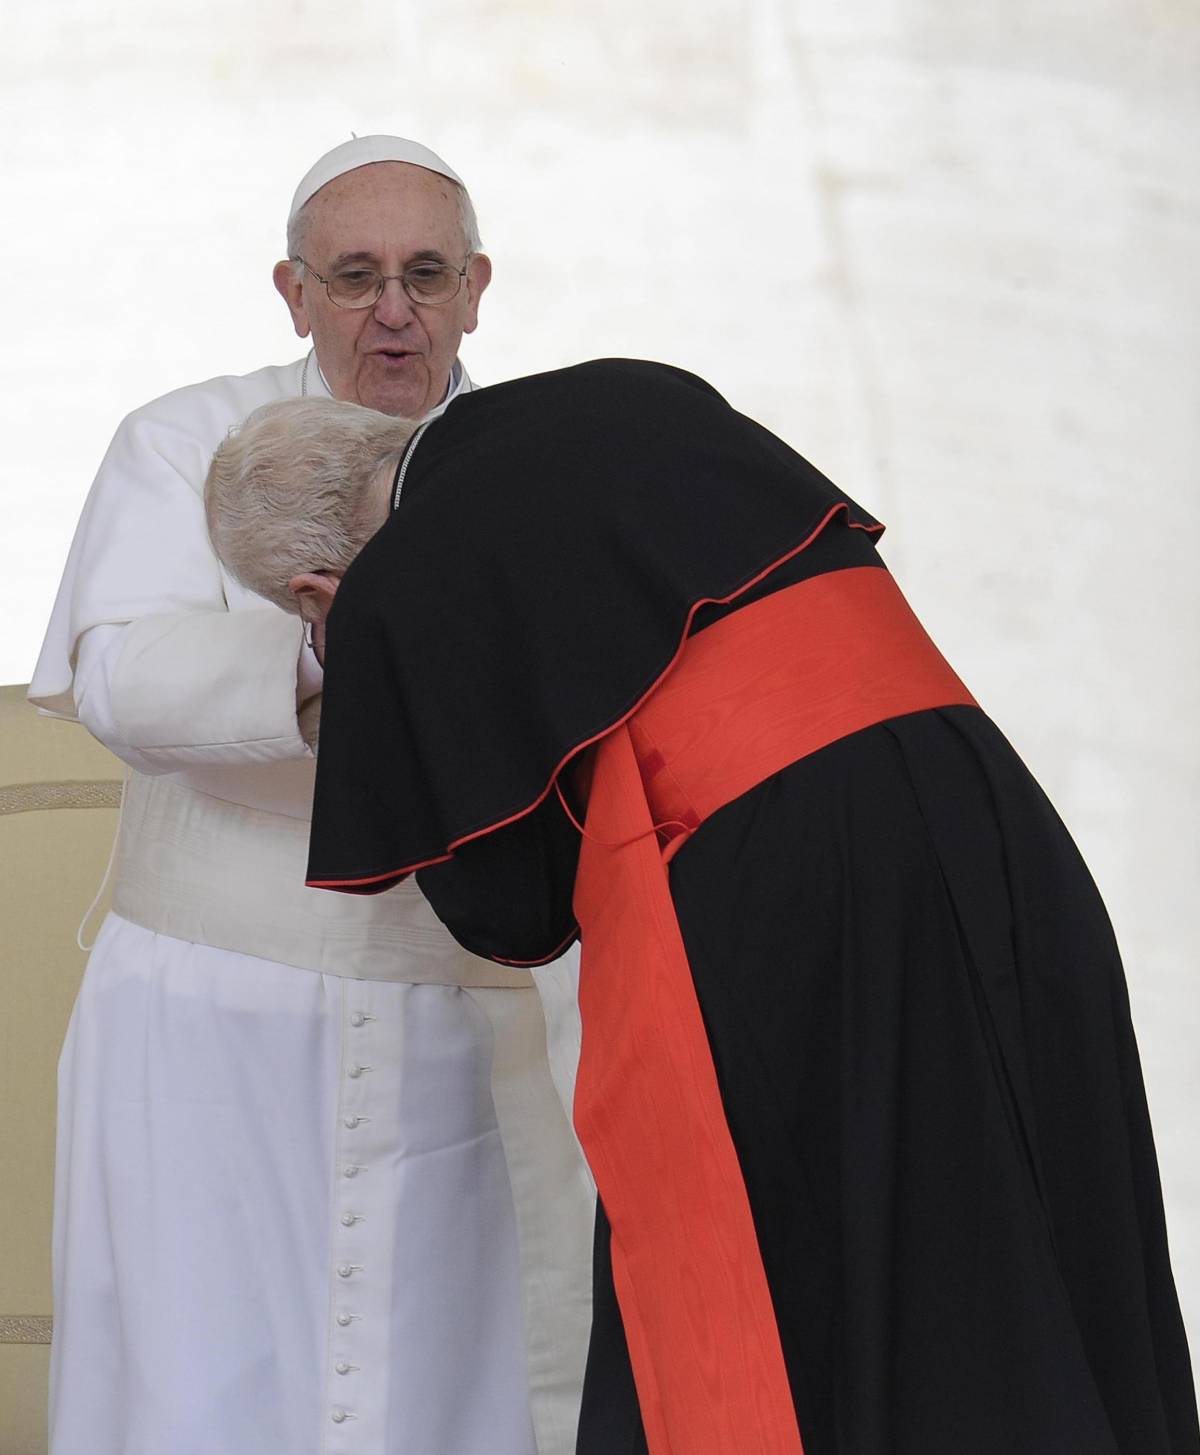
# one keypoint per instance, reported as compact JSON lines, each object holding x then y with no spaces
{"x":377,"y":883}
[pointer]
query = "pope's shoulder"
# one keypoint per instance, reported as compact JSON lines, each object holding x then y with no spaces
{"x":208,"y":409}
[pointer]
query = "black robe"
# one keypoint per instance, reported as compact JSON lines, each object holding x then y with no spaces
{"x":913,"y":999}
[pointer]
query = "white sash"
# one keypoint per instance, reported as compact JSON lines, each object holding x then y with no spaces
{"x":216,"y":873}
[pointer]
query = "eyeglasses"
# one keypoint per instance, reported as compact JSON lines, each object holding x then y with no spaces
{"x":357,"y":287}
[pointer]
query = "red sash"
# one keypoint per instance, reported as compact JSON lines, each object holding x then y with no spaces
{"x":758,"y":690}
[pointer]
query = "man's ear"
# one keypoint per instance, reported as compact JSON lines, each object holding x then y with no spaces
{"x":289,"y":284}
{"x":314,"y":592}
{"x":479,"y":275}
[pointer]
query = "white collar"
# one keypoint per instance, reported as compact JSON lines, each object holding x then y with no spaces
{"x":318,"y":386}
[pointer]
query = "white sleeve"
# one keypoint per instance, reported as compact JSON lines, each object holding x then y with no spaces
{"x":98,"y":651}
{"x":180,"y":691}
{"x":167,"y":661}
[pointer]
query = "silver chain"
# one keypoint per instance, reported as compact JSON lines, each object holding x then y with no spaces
{"x":404,"y":463}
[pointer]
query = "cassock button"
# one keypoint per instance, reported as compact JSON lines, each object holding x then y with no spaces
{"x":348,"y":1220}
{"x":342,"y":1367}
{"x":354,"y":1072}
{"x":344,"y":1270}
{"x":351,"y":1122}
{"x":339,"y":1417}
{"x":343,"y":1321}
{"x":358,"y":1019}
{"x":349,"y":1170}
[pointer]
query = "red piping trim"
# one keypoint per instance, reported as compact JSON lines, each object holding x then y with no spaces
{"x":395,"y":874}
{"x":544,"y":960}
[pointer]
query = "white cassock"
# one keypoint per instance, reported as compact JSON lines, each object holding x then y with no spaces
{"x":316,"y":1193}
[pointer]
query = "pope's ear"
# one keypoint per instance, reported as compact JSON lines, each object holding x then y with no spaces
{"x":479,"y":275}
{"x":289,"y":284}
{"x":314,"y":592}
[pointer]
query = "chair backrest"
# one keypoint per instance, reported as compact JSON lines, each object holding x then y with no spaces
{"x":59,"y":798}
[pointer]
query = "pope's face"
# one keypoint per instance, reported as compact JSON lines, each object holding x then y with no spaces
{"x":396,"y":356}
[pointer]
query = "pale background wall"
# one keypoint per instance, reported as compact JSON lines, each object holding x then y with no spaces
{"x":947,"y":248}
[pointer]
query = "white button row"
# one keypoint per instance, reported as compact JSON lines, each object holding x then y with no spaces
{"x":351,"y":1120}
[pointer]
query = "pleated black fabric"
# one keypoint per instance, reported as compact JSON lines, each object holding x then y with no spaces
{"x":921,"y":1032}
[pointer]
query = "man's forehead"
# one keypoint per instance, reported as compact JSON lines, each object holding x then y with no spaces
{"x":385,"y":206}
{"x":390,"y":184}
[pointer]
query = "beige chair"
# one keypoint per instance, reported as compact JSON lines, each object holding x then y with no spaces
{"x":59,"y":796}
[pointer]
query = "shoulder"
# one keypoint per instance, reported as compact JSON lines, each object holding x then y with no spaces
{"x":221,"y":401}
{"x":182,"y":429}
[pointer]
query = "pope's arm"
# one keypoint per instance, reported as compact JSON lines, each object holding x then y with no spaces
{"x":162,"y":657}
{"x":168,"y":691}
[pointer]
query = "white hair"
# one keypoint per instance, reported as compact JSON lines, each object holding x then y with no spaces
{"x":298,"y":225}
{"x":296,"y":489}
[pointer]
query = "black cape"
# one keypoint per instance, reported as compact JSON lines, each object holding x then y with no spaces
{"x":914,"y":1003}
{"x":553,"y":538}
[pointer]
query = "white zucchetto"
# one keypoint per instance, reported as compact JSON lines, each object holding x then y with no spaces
{"x":361,"y":151}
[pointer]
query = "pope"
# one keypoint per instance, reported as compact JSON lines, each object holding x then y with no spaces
{"x":293,"y":1199}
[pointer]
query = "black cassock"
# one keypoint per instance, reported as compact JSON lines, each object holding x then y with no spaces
{"x":909,"y":986}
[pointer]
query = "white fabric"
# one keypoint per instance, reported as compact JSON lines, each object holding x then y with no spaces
{"x":181,"y":862}
{"x":221,"y":1115}
{"x":203,"y":689}
{"x":280,"y":786}
{"x":557,"y":1300}
{"x":361,"y":152}
{"x":141,"y":554}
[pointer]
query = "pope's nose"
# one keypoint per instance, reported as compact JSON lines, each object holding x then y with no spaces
{"x":394,"y":308}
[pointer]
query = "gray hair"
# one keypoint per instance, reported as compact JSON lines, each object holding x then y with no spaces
{"x":294,"y":490}
{"x":298,"y":225}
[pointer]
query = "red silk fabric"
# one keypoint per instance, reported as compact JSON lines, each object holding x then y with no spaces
{"x":755,"y":692}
